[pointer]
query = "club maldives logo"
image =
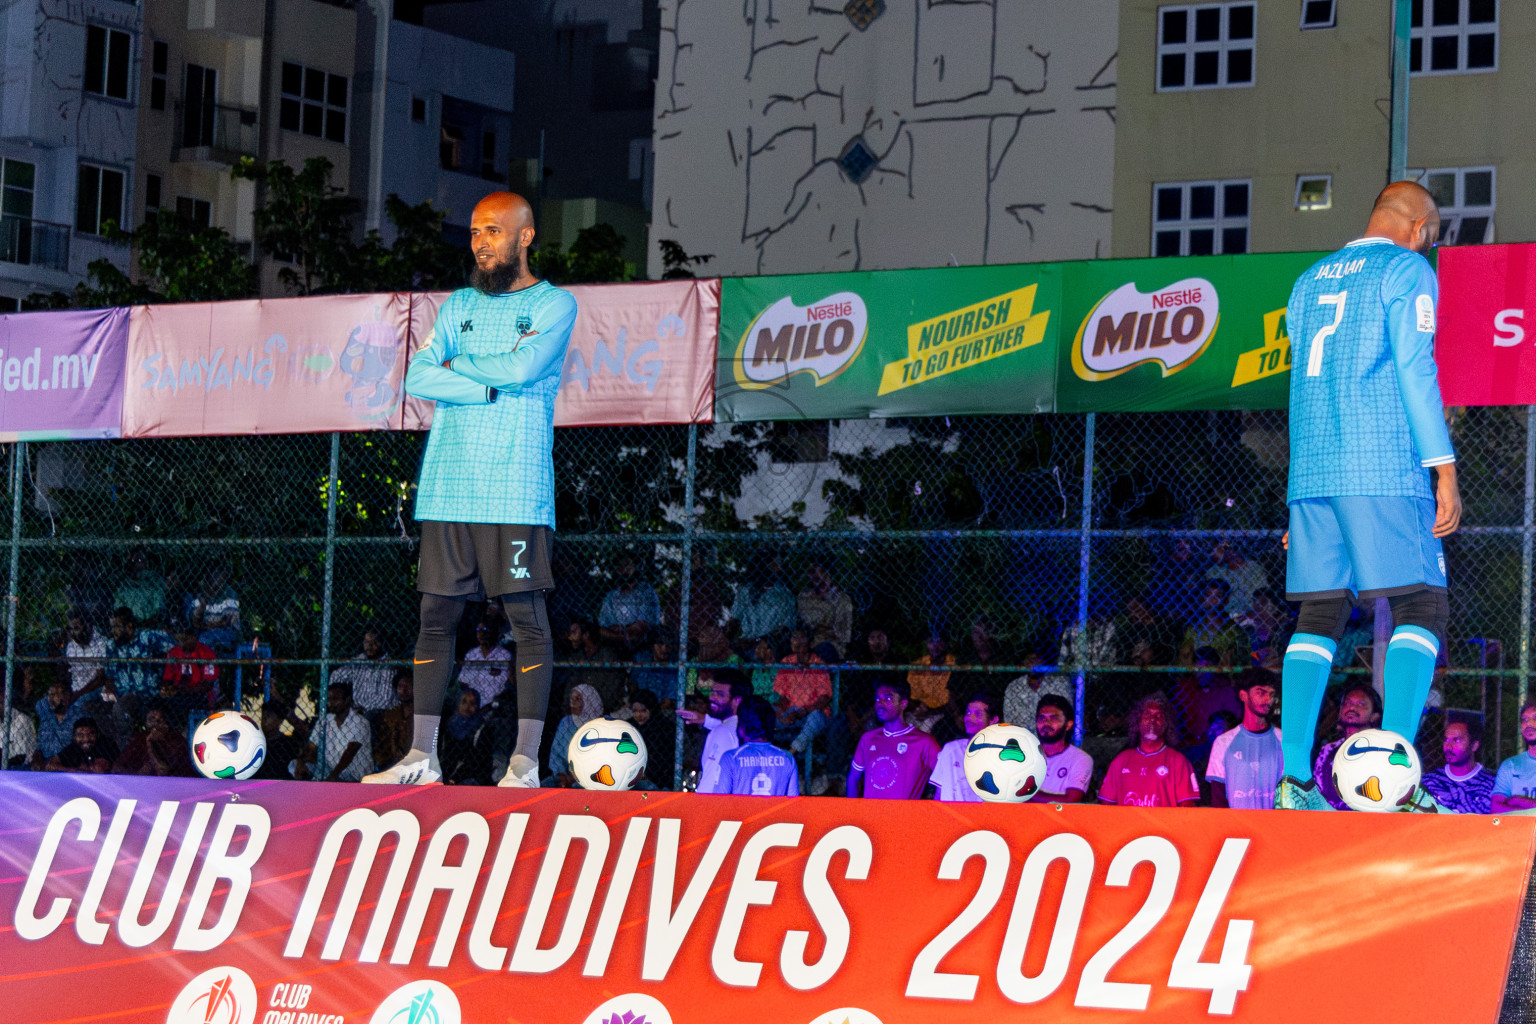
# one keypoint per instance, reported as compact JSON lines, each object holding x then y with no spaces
{"x":224,"y":995}
{"x":634,"y":1008}
{"x":821,"y":339}
{"x":1172,"y":326}
{"x":420,"y":1002}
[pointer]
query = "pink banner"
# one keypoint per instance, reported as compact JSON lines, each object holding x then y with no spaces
{"x":1486,"y":344}
{"x":267,"y":366}
{"x":640,"y":353}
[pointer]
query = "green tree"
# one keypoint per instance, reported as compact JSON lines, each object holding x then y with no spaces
{"x":676,"y":262}
{"x":307,"y":222}
{"x":596,"y":257}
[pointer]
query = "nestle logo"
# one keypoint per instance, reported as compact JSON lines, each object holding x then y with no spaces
{"x":829,"y":311}
{"x":1170,"y":299}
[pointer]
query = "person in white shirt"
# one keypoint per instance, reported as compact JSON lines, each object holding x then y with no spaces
{"x":948,"y":776}
{"x":727,"y":692}
{"x":343,"y":739}
{"x":487,"y":666}
{"x":85,"y":653}
{"x":1068,"y":769}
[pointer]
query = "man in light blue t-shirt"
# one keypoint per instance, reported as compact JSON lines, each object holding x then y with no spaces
{"x":1246,"y":763}
{"x":756,"y":767}
{"x":1514,"y":788}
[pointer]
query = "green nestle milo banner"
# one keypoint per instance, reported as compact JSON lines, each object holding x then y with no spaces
{"x":1107,"y":335}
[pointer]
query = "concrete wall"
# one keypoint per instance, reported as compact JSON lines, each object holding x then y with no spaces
{"x":992,"y":124}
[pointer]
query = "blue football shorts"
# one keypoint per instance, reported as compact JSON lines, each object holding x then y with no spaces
{"x":1364,"y":546}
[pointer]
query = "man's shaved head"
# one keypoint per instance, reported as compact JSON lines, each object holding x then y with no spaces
{"x":1406,"y":213}
{"x":500,"y":231}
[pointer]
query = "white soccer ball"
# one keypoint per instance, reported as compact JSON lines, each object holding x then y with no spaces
{"x":1003,"y":764}
{"x":1376,"y":770}
{"x":228,"y":745}
{"x":607,"y":753}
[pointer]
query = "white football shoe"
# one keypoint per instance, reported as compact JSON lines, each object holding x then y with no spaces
{"x":522,"y":773}
{"x":414,"y":769}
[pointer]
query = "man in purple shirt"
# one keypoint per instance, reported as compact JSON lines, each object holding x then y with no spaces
{"x":895,"y":760}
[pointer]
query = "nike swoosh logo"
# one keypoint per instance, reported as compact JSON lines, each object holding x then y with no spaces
{"x":418,"y":661}
{"x":530,"y":668}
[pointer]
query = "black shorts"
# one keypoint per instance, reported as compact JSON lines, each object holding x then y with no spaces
{"x":483,"y":560}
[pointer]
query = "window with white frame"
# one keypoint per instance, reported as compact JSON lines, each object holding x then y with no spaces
{"x":1454,"y":37}
{"x":98,"y":198}
{"x":314,"y":102}
{"x":1465,"y":196}
{"x":1314,"y":191}
{"x":1200,"y":218}
{"x":1205,"y":46}
{"x":108,"y":55}
{"x":1319,"y":13}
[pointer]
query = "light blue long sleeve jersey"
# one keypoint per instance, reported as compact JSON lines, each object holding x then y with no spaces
{"x":1366,"y":416}
{"x":491,"y":461}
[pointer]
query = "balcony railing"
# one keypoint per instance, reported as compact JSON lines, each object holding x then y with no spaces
{"x":34,"y":243}
{"x":215,"y":134}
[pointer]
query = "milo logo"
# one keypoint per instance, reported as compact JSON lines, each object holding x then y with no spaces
{"x":1171,"y":326}
{"x":821,"y":339}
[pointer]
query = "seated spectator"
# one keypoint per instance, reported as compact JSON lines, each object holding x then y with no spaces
{"x":161,"y":749}
{"x":949,"y":772}
{"x":56,"y":717}
{"x":1199,"y":696}
{"x":342,"y":739}
{"x":1462,"y":785}
{"x":705,"y":605}
{"x":1107,"y":737}
{"x":725,"y":697}
{"x":1141,"y":624}
{"x":190,"y":679}
{"x":1268,"y":625}
{"x":216,"y":610}
{"x":1213,"y":628}
{"x":369,"y":678}
{"x":283,"y":748}
{"x":487,"y":667}
{"x":1359,"y":708}
{"x":393,"y":731}
{"x":804,"y":692}
{"x":1068,"y":769}
{"x":1514,"y":788}
{"x":1199,"y":754}
{"x":137,"y":665}
{"x":465,"y":747}
{"x":631,"y":609}
{"x":1022,"y":697}
{"x":21,"y":739}
{"x":607,"y":683}
{"x":85,"y":654}
{"x":87,"y":753}
{"x":827,"y":613}
{"x":659,"y":730}
{"x":142,"y":590}
{"x":1245,"y":763}
{"x":931,"y":687}
{"x":764,"y":605}
{"x":1241,"y":576}
{"x":766,"y":658}
{"x":1151,"y":773}
{"x":713,"y":649}
{"x":583,"y":705}
{"x":755,"y":767}
{"x":894,"y":761}
{"x":655,"y":668}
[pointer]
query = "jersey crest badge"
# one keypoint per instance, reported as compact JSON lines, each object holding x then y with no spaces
{"x":524,"y":326}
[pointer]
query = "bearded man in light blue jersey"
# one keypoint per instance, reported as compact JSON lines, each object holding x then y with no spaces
{"x":486,"y":497}
{"x":1367,"y":432}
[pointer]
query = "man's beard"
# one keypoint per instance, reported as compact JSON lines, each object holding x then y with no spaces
{"x":500,"y":278}
{"x":1046,"y":736}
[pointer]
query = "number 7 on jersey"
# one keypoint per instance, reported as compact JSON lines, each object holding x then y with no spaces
{"x":1315,"y":353}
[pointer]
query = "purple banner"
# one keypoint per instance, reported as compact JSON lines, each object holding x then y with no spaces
{"x":61,"y":374}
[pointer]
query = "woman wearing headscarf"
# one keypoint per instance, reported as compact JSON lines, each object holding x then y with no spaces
{"x":584,"y":705}
{"x":660,"y":734}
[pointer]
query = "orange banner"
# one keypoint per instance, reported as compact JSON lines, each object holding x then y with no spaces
{"x":290,"y":903}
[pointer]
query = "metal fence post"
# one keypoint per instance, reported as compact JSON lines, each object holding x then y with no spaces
{"x":331,"y":490}
{"x":13,"y":597}
{"x":683,"y":605}
{"x":1084,"y":558}
{"x":1525,"y":555}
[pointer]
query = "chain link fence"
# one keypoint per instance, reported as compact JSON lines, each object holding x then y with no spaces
{"x":1005,"y":556}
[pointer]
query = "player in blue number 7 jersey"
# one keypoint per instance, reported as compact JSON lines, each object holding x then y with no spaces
{"x":1367,"y":430}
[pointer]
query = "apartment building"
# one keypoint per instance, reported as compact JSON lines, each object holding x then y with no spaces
{"x":1249,"y":126}
{"x":68,"y":120}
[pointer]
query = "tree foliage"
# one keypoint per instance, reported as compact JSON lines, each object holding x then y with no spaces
{"x":596,"y":257}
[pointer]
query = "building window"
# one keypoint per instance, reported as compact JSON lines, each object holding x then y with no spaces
{"x":98,"y":199}
{"x":418,"y":110}
{"x":488,"y":155}
{"x":467,"y":138}
{"x":1454,"y":37}
{"x":1465,"y":196}
{"x":1205,"y":46}
{"x":1314,"y":191}
{"x":107,"y":59}
{"x":160,"y":60}
{"x":314,"y":103}
{"x":1200,"y":218}
{"x":1319,"y":13}
{"x":200,"y":98}
{"x":197,"y":212}
{"x":151,"y":193}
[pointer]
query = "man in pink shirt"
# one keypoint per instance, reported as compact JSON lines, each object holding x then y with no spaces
{"x":1152,"y":773}
{"x":895,"y":760}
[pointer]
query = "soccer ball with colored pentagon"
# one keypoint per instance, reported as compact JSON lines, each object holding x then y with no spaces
{"x":228,"y":745}
{"x":607,"y":753}
{"x":1376,"y":770}
{"x":1003,"y":764}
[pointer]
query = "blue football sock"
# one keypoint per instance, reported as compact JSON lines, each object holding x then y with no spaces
{"x":1303,"y":678}
{"x":1407,"y":676}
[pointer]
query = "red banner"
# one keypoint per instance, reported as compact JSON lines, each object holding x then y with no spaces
{"x":640,"y":353}
{"x":1486,"y":344}
{"x":306,"y":903}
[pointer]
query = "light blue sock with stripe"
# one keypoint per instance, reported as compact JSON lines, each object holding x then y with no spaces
{"x":1407,"y":677}
{"x":1303,"y":678}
